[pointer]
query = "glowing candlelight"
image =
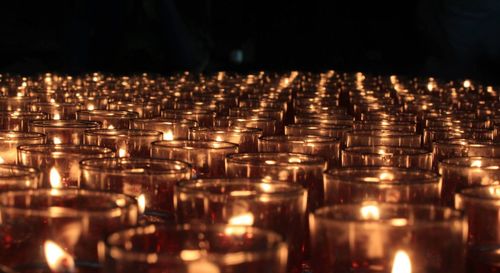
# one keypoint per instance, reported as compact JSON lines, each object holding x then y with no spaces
{"x":402,"y":263}
{"x":2,"y":160}
{"x":218,"y":138}
{"x":111,"y":126}
{"x":122,"y":152}
{"x":168,"y":135}
{"x":467,"y":84}
{"x":370,"y":212}
{"x":57,"y":259}
{"x":57,"y":140}
{"x":476,"y":163}
{"x":55,"y":179}
{"x":56,"y":116}
{"x":141,"y":202}
{"x":245,"y":219}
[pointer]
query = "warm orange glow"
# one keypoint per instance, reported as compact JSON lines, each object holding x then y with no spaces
{"x":55,"y":179}
{"x":476,"y":163}
{"x":57,"y":259}
{"x":370,"y":212}
{"x":386,"y":176}
{"x":168,"y":135}
{"x":141,"y":202}
{"x":57,"y":140}
{"x":245,"y":219}
{"x":218,"y":138}
{"x":90,"y":107}
{"x":122,"y":152}
{"x":111,"y":126}
{"x":467,"y":83}
{"x":402,"y":263}
{"x":56,"y":116}
{"x":2,"y":160}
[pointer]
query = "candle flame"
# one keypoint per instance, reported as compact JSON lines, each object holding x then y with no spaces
{"x":141,"y":202}
{"x":402,"y":263}
{"x":55,"y":179}
{"x":218,"y":138}
{"x":467,"y":83}
{"x":245,"y":219}
{"x":370,"y":212}
{"x":476,"y":163}
{"x":111,"y":126}
{"x":56,"y":116}
{"x":122,"y":152}
{"x":386,"y":176}
{"x":90,"y":107}
{"x":190,"y":255}
{"x":2,"y":160}
{"x":57,"y":259}
{"x":168,"y":135}
{"x":57,"y":140}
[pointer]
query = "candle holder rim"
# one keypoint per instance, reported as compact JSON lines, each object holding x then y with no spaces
{"x":367,"y":150}
{"x":11,"y":114}
{"x":286,"y":190}
{"x":108,"y":113}
{"x":85,"y":164}
{"x":430,"y":177}
{"x":238,"y":158}
{"x":455,"y":162}
{"x":169,"y":121}
{"x":450,"y":213}
{"x":128,"y":203}
{"x":57,"y":104}
{"x":195,"y":144}
{"x":383,"y":133}
{"x":319,"y":126}
{"x":65,"y":124}
{"x":61,"y":150}
{"x":122,"y":132}
{"x":22,"y":135}
{"x":219,"y":130}
{"x":476,"y":195}
{"x":299,"y":139}
{"x":19,"y":98}
{"x":466,"y":142}
{"x":275,"y":245}
{"x":30,"y":172}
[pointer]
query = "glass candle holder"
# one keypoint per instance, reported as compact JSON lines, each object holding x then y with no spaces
{"x":171,"y":128}
{"x":206,"y":157}
{"x":267,"y":125}
{"x":14,"y":177}
{"x":306,"y":170}
{"x":481,"y":205}
{"x":381,"y":184}
{"x":326,"y":147}
{"x":205,"y":118}
{"x":59,"y":229}
{"x":63,"y":131}
{"x":143,"y":109}
{"x":382,"y":138}
{"x":246,"y":138}
{"x":465,"y":172}
{"x":301,"y":129}
{"x":385,"y":125}
{"x":434,"y":134}
{"x":461,"y":147}
{"x":126,"y":143}
{"x":18,"y":103}
{"x":403,"y":157}
{"x":19,"y":121}
{"x":10,"y":140}
{"x":56,"y":111}
{"x":280,"y":207}
{"x":109,"y":119}
{"x":59,"y":163}
{"x":150,"y":181}
{"x":387,"y":238}
{"x":221,"y":249}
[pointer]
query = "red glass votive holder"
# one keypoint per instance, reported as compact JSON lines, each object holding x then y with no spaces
{"x":387,"y":238}
{"x":466,"y":172}
{"x":10,"y":140}
{"x":382,"y":138}
{"x":150,"y":181}
{"x":171,"y":128}
{"x":125,"y":143}
{"x":246,"y":138}
{"x":306,"y":170}
{"x":445,"y":149}
{"x":63,"y":131}
{"x":205,"y":118}
{"x":143,"y":109}
{"x":268,"y":126}
{"x":62,"y":226}
{"x":18,"y":103}
{"x":381,"y":184}
{"x":15,"y":177}
{"x":217,"y":248}
{"x":109,"y":119}
{"x":402,"y":157}
{"x":56,"y":111}
{"x":326,"y":147}
{"x":19,"y":121}
{"x":277,"y":206}
{"x":482,"y":207}
{"x":207,"y":157}
{"x":59,"y":163}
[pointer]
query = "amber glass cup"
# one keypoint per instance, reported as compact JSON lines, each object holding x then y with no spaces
{"x":125,"y":142}
{"x":110,"y":119}
{"x":10,"y":140}
{"x":402,"y":157}
{"x":63,"y":131}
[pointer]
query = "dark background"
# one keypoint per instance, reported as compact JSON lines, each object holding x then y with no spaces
{"x":445,"y":38}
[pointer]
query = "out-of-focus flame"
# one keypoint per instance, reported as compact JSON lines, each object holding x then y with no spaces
{"x":57,"y":140}
{"x":55,"y":179}
{"x":122,"y":152}
{"x":111,"y":126}
{"x":476,"y":163}
{"x":370,"y":212}
{"x":56,"y":116}
{"x":2,"y":160}
{"x":402,"y":263}
{"x":467,"y":84}
{"x":386,"y":176}
{"x":57,"y":259}
{"x":168,"y":135}
{"x":245,"y":219}
{"x":141,"y":202}
{"x":218,"y":138}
